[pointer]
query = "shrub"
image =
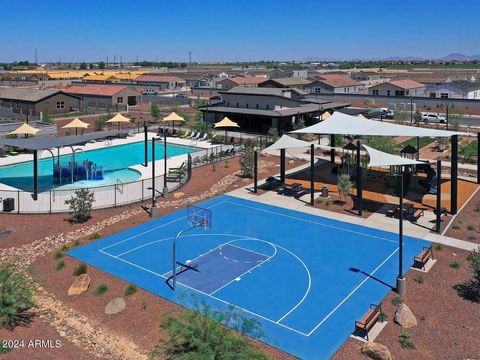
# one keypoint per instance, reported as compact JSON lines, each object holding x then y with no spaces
{"x":95,"y":236}
{"x":455,"y":264}
{"x":471,"y":227}
{"x":81,"y":205}
{"x":100,"y":289}
{"x":439,"y":247}
{"x":471,"y":289}
{"x":3,"y":347}
{"x":80,"y":269}
{"x":477,"y":207}
{"x":101,"y":122}
{"x":130,"y":290}
{"x":58,"y":255}
{"x":65,"y":247}
{"x":16,"y":297}
{"x":247,"y":160}
{"x":344,"y":185}
{"x":60,"y":265}
{"x":200,"y":335}
{"x":419,"y":279}
{"x":455,"y":227}
{"x":404,"y":340}
{"x":396,"y":301}
{"x":273,"y":134}
{"x":471,"y":238}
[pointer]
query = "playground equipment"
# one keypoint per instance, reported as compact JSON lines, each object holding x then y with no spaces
{"x":74,"y":171}
{"x":430,"y":183}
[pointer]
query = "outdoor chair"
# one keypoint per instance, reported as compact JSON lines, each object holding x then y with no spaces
{"x":176,"y":170}
{"x":197,"y":136}
{"x":185,"y":135}
{"x":174,"y":132}
{"x":204,"y":137}
{"x":271,"y":183}
{"x":299,"y":191}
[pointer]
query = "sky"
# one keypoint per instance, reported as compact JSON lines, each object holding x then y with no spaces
{"x":236,"y":30}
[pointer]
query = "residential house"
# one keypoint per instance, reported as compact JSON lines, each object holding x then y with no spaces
{"x":106,"y":97}
{"x":368,"y":78}
{"x":398,"y":88}
{"x":334,"y":84}
{"x":160,"y":82}
{"x":288,"y":72}
{"x":29,"y":103}
{"x":231,"y":82}
{"x":290,"y":82}
{"x":460,"y":89}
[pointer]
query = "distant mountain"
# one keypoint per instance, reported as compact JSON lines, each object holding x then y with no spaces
{"x":405,"y":58}
{"x":455,"y":57}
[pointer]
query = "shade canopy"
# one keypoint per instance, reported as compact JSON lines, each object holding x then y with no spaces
{"x":173,"y":117}
{"x":380,"y":158}
{"x":24,"y":129}
{"x":344,"y":124}
{"x":226,"y":122}
{"x":119,"y":118}
{"x":76,"y":124}
{"x":287,"y":142}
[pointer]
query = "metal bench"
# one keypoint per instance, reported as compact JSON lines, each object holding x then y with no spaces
{"x":368,"y":321}
{"x":424,"y":256}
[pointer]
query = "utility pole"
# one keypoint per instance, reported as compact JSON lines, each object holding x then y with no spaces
{"x":189,"y":58}
{"x":36,"y":58}
{"x":107,"y":62}
{"x":114,"y":60}
{"x":121,"y":61}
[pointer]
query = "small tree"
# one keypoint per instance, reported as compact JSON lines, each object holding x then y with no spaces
{"x":81,"y":205}
{"x":83,"y":66}
{"x":90,"y":66}
{"x":417,"y":117}
{"x":454,"y":117}
{"x":101,"y":122}
{"x":247,"y":159}
{"x":299,"y":125}
{"x":16,"y":296}
{"x":155,"y":111}
{"x":101,"y":65}
{"x":46,"y":118}
{"x":344,"y":185}
{"x":471,"y":289}
{"x":273,"y":134}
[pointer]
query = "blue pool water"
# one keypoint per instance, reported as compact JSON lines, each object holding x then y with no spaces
{"x":115,"y":161}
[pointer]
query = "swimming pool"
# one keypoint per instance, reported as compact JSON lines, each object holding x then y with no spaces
{"x":115,"y":161}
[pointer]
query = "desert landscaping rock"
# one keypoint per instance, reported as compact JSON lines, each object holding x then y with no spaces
{"x":376,"y":351}
{"x":404,"y":317}
{"x":178,"y":195}
{"x":79,"y":285}
{"x":115,"y":306}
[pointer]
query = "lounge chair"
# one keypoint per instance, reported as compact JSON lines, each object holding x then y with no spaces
{"x":192,"y":135}
{"x":204,"y":137}
{"x":197,"y":136}
{"x":177,"y":170}
{"x":174,"y":133}
{"x":185,"y":135}
{"x":271,"y":183}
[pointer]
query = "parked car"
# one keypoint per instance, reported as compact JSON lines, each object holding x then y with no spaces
{"x":150,"y":92}
{"x":181,"y":96}
{"x":380,"y":113}
{"x":433,"y":118}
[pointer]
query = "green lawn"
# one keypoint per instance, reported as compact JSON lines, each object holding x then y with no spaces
{"x":60,"y":116}
{"x":424,"y":141}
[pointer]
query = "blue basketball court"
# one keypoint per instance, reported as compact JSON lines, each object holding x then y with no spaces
{"x":305,"y":278}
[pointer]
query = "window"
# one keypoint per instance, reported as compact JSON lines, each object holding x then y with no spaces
{"x":433,"y":95}
{"x":238,"y":104}
{"x":257,"y":106}
{"x":120,"y":100}
{"x":399,"y":93}
{"x":444,"y":95}
{"x":246,"y":105}
{"x":388,"y":92}
{"x":60,"y":105}
{"x":228,"y":103}
{"x":374,"y":92}
{"x":318,"y":90}
{"x":268,"y":107}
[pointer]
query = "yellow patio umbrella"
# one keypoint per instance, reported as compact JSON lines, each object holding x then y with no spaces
{"x":119,"y":118}
{"x":76,"y":124}
{"x":226,"y":123}
{"x":172,"y":118}
{"x":24,"y":129}
{"x":325,"y":115}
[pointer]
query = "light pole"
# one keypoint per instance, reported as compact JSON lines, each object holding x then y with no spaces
{"x":401,"y":284}
{"x":165,"y":188}
{"x":411,"y":111}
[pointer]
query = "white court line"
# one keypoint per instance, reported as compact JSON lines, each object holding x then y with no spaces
{"x":201,"y":292}
{"x":249,"y":270}
{"x":316,"y":223}
{"x":154,"y":228}
{"x":352,"y":292}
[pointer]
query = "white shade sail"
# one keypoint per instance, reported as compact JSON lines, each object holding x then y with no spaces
{"x":344,"y":124}
{"x":287,"y":142}
{"x":380,"y":158}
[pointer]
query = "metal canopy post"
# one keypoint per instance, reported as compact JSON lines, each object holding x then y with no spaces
{"x":255,"y":171}
{"x":153,"y":176}
{"x":438,"y":218}
{"x":165,"y":187}
{"x":332,"y":151}
{"x":478,"y":158}
{"x":454,"y":175}
{"x":400,"y":288}
{"x":359,"y":181}
{"x":312,"y":173}
{"x":35,"y":175}
{"x":145,"y":129}
{"x":282,"y":165}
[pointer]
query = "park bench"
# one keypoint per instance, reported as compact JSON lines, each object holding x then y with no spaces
{"x":425,"y":255}
{"x":417,"y":214}
{"x":368,"y":321}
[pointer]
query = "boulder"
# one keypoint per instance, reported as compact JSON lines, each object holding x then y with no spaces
{"x":404,"y":317}
{"x":291,"y":161}
{"x":115,"y":305}
{"x":178,"y":195}
{"x":376,"y":351}
{"x":79,"y":285}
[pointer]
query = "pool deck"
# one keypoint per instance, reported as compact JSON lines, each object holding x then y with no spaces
{"x":145,"y":172}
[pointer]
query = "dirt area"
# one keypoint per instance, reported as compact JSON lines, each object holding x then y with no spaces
{"x":466,"y":225}
{"x":143,"y":308}
{"x":448,"y":325}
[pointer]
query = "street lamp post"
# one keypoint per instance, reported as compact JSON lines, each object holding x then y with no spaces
{"x":401,"y":285}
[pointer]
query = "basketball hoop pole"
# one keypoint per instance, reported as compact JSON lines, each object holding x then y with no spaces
{"x":174,"y":252}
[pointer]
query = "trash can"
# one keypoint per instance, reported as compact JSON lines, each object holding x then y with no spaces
{"x":8,"y":204}
{"x":325,"y":192}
